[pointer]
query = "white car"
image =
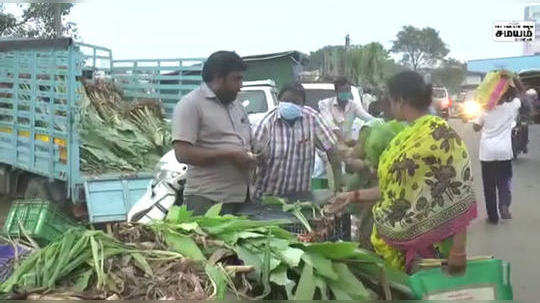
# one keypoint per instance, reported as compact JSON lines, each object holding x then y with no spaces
{"x":258,"y":98}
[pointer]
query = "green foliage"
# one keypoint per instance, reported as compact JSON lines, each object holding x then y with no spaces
{"x":36,"y":21}
{"x":368,"y":65}
{"x":420,"y":47}
{"x":450,"y":74}
{"x":117,"y":135}
{"x":279,"y":259}
{"x":379,"y":137}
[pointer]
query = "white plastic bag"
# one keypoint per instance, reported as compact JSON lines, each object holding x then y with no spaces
{"x":161,"y":192}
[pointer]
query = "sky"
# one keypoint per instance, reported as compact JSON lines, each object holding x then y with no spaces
{"x":178,"y":29}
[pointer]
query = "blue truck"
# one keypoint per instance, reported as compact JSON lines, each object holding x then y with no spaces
{"x":40,"y":94}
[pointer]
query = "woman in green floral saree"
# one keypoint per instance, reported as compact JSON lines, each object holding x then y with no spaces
{"x":424,"y":197}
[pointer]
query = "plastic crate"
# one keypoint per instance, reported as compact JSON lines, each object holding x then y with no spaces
{"x":40,"y":219}
{"x":484,"y":280}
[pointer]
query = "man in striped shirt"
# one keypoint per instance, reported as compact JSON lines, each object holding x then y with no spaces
{"x":290,"y":134}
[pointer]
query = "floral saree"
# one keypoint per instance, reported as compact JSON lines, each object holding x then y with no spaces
{"x":426,"y":192}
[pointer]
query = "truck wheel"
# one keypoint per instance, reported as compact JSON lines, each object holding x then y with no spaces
{"x":4,"y":176}
{"x":37,"y":188}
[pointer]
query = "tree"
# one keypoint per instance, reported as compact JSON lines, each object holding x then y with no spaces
{"x":450,"y":74}
{"x":369,"y":65}
{"x":420,"y":47}
{"x":37,"y":20}
{"x":329,"y":60}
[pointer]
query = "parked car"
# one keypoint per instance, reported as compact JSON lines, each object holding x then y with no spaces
{"x":442,"y":103}
{"x":258,"y":98}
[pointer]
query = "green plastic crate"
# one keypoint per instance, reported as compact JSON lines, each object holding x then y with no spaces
{"x":40,"y":219}
{"x":319,"y":183}
{"x":484,"y":280}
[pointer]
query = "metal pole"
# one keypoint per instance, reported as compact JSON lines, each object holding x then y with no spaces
{"x":347,"y":45}
{"x":58,"y":19}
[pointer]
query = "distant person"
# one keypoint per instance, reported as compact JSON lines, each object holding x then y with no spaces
{"x":527,"y":102}
{"x":293,"y":132}
{"x":211,"y":133}
{"x":368,"y":98}
{"x":496,"y":154}
{"x":341,"y":111}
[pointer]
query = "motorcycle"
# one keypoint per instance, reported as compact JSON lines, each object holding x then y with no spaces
{"x":519,"y":140}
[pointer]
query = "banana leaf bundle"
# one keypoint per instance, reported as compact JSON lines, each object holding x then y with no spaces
{"x":199,"y":257}
{"x":374,"y":139}
{"x":119,"y":135}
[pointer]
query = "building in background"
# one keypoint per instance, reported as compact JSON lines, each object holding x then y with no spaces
{"x":532,"y":13}
{"x":529,"y":61}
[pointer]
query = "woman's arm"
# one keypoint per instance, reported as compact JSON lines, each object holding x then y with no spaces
{"x":365,"y":195}
{"x":457,"y":260}
{"x":359,"y":196}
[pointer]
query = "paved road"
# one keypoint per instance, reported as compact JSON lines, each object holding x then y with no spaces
{"x":516,"y":241}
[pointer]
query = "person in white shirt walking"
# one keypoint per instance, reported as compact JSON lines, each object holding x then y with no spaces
{"x":496,"y":154}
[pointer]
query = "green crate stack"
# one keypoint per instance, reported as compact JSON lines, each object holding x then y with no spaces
{"x":40,"y":219}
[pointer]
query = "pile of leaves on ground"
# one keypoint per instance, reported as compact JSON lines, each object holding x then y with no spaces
{"x":119,"y":135}
{"x":195,"y":257}
{"x":90,"y":264}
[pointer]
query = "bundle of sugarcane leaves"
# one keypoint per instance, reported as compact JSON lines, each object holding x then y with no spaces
{"x":89,"y":264}
{"x":196,"y":257}
{"x":283,"y":267}
{"x":119,"y":135}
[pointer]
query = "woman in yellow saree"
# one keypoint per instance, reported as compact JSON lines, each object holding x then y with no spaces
{"x":425,"y":199}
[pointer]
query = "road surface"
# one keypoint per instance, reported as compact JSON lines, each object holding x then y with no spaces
{"x":518,"y":240}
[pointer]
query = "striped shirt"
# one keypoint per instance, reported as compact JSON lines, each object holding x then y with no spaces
{"x":290,"y":151}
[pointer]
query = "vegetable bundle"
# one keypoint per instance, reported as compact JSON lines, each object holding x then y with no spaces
{"x":94,"y":265}
{"x":196,"y":257}
{"x":374,"y":139}
{"x":492,"y":88}
{"x":117,"y":135}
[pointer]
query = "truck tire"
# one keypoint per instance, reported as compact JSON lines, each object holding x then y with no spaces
{"x":4,"y":177}
{"x":37,"y":189}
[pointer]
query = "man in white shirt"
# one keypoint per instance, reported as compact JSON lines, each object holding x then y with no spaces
{"x":341,"y":111}
{"x":496,"y":154}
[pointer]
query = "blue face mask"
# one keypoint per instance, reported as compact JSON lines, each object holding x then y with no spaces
{"x":289,"y":111}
